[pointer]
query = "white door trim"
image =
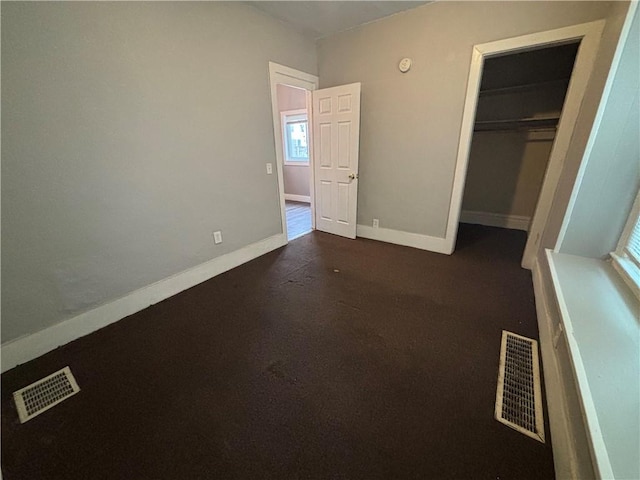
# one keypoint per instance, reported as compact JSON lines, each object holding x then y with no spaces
{"x":589,"y":34}
{"x":295,"y":78}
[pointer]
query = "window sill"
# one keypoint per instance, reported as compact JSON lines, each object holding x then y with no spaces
{"x":600,"y":320}
{"x":296,"y":164}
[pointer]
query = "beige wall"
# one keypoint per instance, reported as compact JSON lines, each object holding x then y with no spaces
{"x":296,"y":177}
{"x":505,"y":172}
{"x":296,"y":180}
{"x":410,"y":123}
{"x":291,"y":98}
{"x":131,"y":131}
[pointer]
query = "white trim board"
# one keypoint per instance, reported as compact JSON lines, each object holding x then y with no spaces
{"x":297,"y":198}
{"x":514,"y":222}
{"x":32,"y":346}
{"x":589,"y":36}
{"x":408,"y":239}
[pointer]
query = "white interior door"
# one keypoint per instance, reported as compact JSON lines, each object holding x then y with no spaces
{"x":336,"y":139}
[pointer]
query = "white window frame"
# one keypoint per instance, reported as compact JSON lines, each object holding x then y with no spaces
{"x":290,"y":116}
{"x":628,"y":268}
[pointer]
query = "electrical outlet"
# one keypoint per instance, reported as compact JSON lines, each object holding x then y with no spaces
{"x":217,"y":237}
{"x":376,"y":223}
{"x":269,"y":168}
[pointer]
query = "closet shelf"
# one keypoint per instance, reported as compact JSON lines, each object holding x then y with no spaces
{"x":543,"y":123}
{"x":563,"y":82}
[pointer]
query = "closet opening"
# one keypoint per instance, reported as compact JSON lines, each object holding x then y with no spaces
{"x":519,"y":106}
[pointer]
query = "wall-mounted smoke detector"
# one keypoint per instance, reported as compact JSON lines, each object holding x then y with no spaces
{"x":405,"y":65}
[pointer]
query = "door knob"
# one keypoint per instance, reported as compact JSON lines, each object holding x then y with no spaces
{"x":353,"y":176}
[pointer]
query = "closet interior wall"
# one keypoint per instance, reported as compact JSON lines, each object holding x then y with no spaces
{"x":519,"y":105}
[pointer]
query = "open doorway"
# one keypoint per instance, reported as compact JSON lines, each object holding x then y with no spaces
{"x":292,"y":115}
{"x":296,"y":149}
{"x":519,"y":107}
{"x":333,"y":136}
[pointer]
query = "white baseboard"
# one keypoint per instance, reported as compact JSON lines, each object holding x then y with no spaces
{"x":514,"y":222}
{"x":297,"y":198}
{"x":32,"y":346}
{"x":408,"y":239}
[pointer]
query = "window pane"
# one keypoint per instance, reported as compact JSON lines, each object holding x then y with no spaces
{"x":633,"y":245}
{"x":297,"y":148}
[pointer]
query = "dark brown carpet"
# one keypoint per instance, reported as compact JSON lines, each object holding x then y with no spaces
{"x":328,"y":359}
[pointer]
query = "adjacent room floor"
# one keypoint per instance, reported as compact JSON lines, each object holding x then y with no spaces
{"x":298,"y":219}
{"x":328,"y":358}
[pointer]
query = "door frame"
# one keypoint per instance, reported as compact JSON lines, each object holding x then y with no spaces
{"x":589,"y":36}
{"x":295,"y":78}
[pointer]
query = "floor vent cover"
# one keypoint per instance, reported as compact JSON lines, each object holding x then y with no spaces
{"x":40,"y":396}
{"x":519,"y":397}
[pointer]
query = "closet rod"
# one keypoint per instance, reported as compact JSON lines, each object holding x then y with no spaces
{"x":547,"y":123}
{"x":524,"y":87}
{"x":514,"y":129}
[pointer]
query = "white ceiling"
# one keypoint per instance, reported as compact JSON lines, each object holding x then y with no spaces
{"x":318,"y":19}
